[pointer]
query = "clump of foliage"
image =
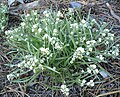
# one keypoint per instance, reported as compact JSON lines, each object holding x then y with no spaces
{"x":3,"y":17}
{"x":69,"y":48}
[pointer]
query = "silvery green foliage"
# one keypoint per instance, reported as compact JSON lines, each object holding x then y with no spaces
{"x":12,"y":1}
{"x":3,"y":17}
{"x":70,"y":50}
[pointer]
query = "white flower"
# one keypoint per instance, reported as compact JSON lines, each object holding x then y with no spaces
{"x":81,"y":49}
{"x":27,"y":15}
{"x":71,"y":10}
{"x":35,"y":59}
{"x":59,"y":14}
{"x":87,"y":42}
{"x":31,"y":67}
{"x":45,"y":51}
{"x":83,"y":21}
{"x":111,"y":38}
{"x":72,"y":33}
{"x":23,"y":24}
{"x":87,"y":53}
{"x":93,"y":66}
{"x":99,"y":39}
{"x":76,"y":42}
{"x":21,"y":34}
{"x":71,"y":62}
{"x":93,"y":20}
{"x":77,"y":54}
{"x":83,"y":83}
{"x":96,"y":71}
{"x":10,"y":76}
{"x":103,"y":34}
{"x":55,"y":31}
{"x":17,"y":74}
{"x":35,"y":13}
{"x":46,"y":13}
{"x":39,"y":30}
{"x":89,"y":70}
{"x":75,"y":25}
{"x":26,"y":39}
{"x":89,"y":59}
{"x":82,"y":71}
{"x":8,"y":32}
{"x":33,"y":30}
{"x":65,"y":90}
{"x":84,"y":38}
{"x":35,"y":26}
{"x":100,"y":57}
{"x":41,"y":67}
{"x":21,"y":64}
{"x":46,"y":36}
{"x":90,"y":43}
{"x":57,"y":20}
{"x":93,"y":41}
{"x":54,"y":68}
{"x":42,"y":60}
{"x":90,"y":83}
{"x":117,"y":45}
{"x":110,"y":35}
{"x":116,"y":52}
{"x":107,"y":42}
{"x":90,"y":49}
{"x":106,"y":30}
{"x":58,"y":46}
{"x":2,"y":28}
{"x":11,"y":37}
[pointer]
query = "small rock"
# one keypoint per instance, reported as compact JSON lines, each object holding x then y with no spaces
{"x":104,"y":74}
{"x":75,"y":5}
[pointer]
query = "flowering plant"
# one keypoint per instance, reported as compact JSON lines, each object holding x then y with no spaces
{"x":69,"y":49}
{"x":3,"y":17}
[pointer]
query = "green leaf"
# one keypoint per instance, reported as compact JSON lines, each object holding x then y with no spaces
{"x":10,"y":65}
{"x":52,"y":69}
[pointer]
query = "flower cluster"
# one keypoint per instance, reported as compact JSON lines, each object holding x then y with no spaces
{"x":89,"y":83}
{"x":46,"y":13}
{"x":10,"y":76}
{"x":30,"y":62}
{"x":92,"y":68}
{"x":90,"y":43}
{"x":64,"y":89}
{"x":100,"y":57}
{"x":115,"y":50}
{"x":74,"y":26}
{"x":78,"y":54}
{"x":45,"y":51}
{"x":59,"y":14}
{"x":83,"y":83}
{"x":55,"y":42}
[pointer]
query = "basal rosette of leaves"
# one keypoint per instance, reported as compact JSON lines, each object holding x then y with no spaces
{"x":3,"y":17}
{"x":69,"y":49}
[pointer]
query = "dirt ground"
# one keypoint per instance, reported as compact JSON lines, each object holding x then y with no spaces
{"x":110,"y":86}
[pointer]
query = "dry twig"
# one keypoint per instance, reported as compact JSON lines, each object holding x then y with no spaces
{"x":112,"y":12}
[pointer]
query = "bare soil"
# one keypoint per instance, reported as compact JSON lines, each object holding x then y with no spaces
{"x":110,"y":86}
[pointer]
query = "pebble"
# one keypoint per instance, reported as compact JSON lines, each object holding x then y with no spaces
{"x":75,"y":5}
